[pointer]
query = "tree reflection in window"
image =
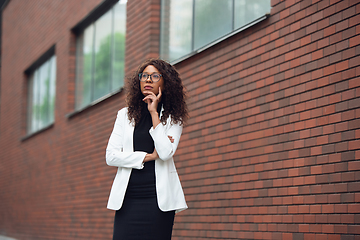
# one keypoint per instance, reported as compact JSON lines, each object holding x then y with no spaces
{"x":188,"y":26}
{"x":41,"y":103}
{"x":101,"y":56}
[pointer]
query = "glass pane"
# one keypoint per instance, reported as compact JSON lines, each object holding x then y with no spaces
{"x":248,"y":11}
{"x":33,"y":102}
{"x":52,"y":88}
{"x":43,"y":106}
{"x":30,"y":103}
{"x":176,"y":31}
{"x":119,"y":45}
{"x":101,"y":56}
{"x":213,"y":19}
{"x":84,"y":67}
{"x":102,"y":77}
{"x":42,"y":96}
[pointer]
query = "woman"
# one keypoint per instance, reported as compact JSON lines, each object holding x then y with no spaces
{"x":146,"y":191}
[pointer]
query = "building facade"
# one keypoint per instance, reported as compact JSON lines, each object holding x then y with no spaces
{"x":272,"y":146}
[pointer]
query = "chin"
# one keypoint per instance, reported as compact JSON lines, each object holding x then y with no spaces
{"x":145,"y":94}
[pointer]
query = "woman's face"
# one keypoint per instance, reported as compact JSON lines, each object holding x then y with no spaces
{"x":149,"y":85}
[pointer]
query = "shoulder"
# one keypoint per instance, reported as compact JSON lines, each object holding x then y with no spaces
{"x":123,"y":111}
{"x":123,"y":115}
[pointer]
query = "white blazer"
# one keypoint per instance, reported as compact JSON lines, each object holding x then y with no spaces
{"x":120,"y":153}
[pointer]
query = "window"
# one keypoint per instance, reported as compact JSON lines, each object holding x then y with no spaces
{"x":41,"y":102}
{"x":190,"y":25}
{"x":100,"y":56}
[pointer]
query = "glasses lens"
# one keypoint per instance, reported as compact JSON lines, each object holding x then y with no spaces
{"x":143,"y":76}
{"x":155,"y":77}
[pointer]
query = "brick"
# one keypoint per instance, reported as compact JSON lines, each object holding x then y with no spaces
{"x":342,"y":229}
{"x":354,"y":41}
{"x":341,"y":66}
{"x":271,"y":150}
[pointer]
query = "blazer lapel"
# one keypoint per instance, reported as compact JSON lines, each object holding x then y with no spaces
{"x":128,"y":135}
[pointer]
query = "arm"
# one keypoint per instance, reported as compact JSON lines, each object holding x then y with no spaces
{"x":166,"y":139}
{"x":115,"y":154}
{"x":164,"y":145}
{"x":151,"y":156}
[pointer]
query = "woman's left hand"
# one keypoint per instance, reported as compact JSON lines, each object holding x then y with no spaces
{"x":152,"y":100}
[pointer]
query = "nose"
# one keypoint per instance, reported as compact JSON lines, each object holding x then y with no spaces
{"x":148,"y":79}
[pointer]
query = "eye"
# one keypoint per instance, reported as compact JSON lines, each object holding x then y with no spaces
{"x":144,"y":75}
{"x":156,"y":76}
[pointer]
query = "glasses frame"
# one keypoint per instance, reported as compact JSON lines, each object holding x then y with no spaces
{"x":149,"y":75}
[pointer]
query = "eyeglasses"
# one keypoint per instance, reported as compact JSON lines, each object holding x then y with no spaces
{"x":155,"y":77}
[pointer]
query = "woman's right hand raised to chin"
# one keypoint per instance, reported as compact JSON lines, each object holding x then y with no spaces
{"x":152,"y":100}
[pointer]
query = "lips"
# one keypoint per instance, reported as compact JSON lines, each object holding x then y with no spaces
{"x":148,"y":87}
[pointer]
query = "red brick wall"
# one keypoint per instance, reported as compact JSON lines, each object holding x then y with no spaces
{"x":143,"y":32}
{"x":43,"y":186}
{"x":55,"y":184}
{"x":271,"y":150}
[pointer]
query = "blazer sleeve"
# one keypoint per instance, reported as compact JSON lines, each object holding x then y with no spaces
{"x":164,"y":147}
{"x":115,"y":154}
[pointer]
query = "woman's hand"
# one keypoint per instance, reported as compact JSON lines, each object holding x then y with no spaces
{"x":152,"y":100}
{"x":151,"y":156}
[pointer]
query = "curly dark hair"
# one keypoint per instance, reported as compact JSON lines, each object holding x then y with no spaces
{"x":173,"y":96}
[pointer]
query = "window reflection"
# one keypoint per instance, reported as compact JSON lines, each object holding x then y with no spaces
{"x":42,"y":96}
{"x":119,"y":46}
{"x":176,"y":38}
{"x":189,"y":25}
{"x":248,"y":11}
{"x":103,"y":40}
{"x":100,"y":56}
{"x":213,"y":18}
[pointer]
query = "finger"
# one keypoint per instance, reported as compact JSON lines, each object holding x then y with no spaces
{"x":159,"y":95}
{"x":148,"y":97}
{"x":147,"y":100}
{"x":150,"y":94}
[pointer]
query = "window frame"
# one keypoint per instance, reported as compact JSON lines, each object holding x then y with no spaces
{"x":212,"y":43}
{"x":78,"y":31}
{"x":30,"y":73}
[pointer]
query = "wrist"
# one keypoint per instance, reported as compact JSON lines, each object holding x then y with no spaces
{"x":154,"y":113}
{"x":149,"y":157}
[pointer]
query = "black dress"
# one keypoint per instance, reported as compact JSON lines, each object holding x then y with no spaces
{"x":140,"y":218}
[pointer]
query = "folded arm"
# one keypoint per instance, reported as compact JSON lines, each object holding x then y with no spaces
{"x":115,"y":154}
{"x":165,"y":146}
